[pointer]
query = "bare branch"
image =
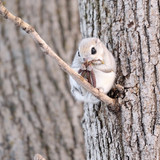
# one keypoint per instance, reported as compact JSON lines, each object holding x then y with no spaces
{"x":45,"y":48}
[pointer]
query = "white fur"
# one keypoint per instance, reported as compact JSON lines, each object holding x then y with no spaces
{"x":104,"y":73}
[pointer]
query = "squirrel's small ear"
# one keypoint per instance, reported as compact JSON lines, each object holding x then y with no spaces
{"x":98,"y":40}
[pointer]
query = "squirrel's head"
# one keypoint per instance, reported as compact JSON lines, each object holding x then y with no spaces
{"x":91,"y":49}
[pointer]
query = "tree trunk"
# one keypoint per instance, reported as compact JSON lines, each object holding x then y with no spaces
{"x":131,"y":31}
{"x":37,"y":112}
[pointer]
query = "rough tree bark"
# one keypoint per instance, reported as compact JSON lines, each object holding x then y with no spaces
{"x":37,"y":112}
{"x":131,"y":31}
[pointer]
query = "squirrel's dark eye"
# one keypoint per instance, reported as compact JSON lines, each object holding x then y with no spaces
{"x":78,"y":54}
{"x":93,"y":50}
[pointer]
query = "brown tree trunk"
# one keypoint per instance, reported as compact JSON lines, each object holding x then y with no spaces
{"x":37,"y":112}
{"x":131,"y":31}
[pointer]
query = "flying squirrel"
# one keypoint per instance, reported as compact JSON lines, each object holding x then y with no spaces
{"x":95,"y":59}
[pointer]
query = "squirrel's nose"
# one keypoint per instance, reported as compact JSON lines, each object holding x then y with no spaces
{"x":84,"y":59}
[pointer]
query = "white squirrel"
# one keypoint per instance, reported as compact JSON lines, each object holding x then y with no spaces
{"x":103,"y":65}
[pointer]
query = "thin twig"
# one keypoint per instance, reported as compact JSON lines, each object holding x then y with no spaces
{"x":45,"y":48}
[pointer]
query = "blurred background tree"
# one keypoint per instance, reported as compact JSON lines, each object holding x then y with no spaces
{"x":37,"y":112}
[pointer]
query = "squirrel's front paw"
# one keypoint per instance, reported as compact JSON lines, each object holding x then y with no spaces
{"x":83,"y":67}
{"x":89,"y":67}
